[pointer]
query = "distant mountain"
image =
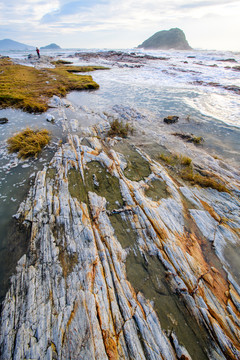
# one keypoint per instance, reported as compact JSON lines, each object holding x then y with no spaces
{"x":50,"y":47}
{"x":8,"y":44}
{"x":167,"y":39}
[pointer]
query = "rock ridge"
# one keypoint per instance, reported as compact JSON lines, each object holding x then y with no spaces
{"x":71,"y":298}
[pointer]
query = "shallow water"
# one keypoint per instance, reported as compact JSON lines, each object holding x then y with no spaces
{"x":158,"y":100}
{"x":15,"y":178}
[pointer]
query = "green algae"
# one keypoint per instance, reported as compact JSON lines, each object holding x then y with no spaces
{"x":123,"y":230}
{"x":100,"y":181}
{"x":137,"y":167}
{"x":76,"y":186}
{"x":147,"y":275}
{"x":232,"y":254}
{"x":96,"y":179}
{"x":157,"y":190}
{"x":51,"y":173}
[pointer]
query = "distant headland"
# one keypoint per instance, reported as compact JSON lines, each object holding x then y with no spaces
{"x":167,"y":39}
{"x":8,"y":44}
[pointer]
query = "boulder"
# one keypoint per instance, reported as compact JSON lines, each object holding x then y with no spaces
{"x":171,"y":119}
{"x":3,"y":120}
{"x":50,"y":118}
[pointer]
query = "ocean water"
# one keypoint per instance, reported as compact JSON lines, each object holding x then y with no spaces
{"x":201,"y":75}
{"x":200,"y":85}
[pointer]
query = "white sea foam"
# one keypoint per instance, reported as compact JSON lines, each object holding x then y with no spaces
{"x":197,"y":78}
{"x":218,"y":106}
{"x":202,"y":74}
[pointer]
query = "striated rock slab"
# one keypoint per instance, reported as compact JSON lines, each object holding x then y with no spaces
{"x":71,"y":298}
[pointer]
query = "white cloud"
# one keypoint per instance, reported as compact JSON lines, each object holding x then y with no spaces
{"x":139,"y":18}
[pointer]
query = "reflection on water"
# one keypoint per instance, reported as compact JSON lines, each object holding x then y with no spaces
{"x":157,"y":102}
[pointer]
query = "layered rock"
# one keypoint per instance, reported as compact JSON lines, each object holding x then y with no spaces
{"x":71,"y":298}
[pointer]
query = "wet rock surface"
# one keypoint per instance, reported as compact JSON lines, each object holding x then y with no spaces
{"x":233,"y":88}
{"x":3,"y":120}
{"x":93,"y":215}
{"x":125,"y":260}
{"x":171,"y":119}
{"x":119,"y":58}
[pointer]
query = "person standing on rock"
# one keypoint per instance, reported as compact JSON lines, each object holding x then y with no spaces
{"x":38,"y":52}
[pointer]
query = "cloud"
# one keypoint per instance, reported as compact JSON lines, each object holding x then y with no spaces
{"x":27,"y":11}
{"x":130,"y":14}
{"x":43,"y":18}
{"x":70,"y":9}
{"x":205,"y":4}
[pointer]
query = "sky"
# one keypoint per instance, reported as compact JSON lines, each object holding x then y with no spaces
{"x":207,"y":24}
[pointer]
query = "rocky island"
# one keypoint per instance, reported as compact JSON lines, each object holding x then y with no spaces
{"x":167,"y":39}
{"x":51,"y":46}
{"x":126,"y":250}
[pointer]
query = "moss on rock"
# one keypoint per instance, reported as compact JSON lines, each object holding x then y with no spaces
{"x":29,"y":89}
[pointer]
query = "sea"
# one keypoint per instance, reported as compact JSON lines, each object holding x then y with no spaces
{"x":200,"y":85}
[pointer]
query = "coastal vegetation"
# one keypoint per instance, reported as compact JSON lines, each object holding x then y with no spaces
{"x":62,"y":62}
{"x":175,"y":159}
{"x":190,"y":138}
{"x":28,"y":142}
{"x":118,"y":128}
{"x":76,"y":69}
{"x":29,"y":89}
{"x":182,"y":165}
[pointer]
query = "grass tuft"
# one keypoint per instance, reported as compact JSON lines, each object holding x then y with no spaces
{"x":174,"y":159}
{"x":184,"y":167}
{"x":28,"y":142}
{"x":185,"y":160}
{"x":61,"y":62}
{"x":190,"y":138}
{"x":197,"y":139}
{"x":118,"y":128}
{"x":204,"y":181}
